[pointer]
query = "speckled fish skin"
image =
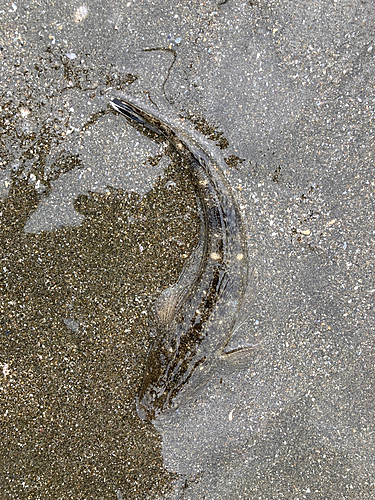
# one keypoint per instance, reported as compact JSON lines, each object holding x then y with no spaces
{"x":193,"y":320}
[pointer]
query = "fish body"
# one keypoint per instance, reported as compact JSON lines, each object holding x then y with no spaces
{"x":193,"y":320}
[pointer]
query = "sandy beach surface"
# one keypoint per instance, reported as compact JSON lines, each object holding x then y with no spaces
{"x":95,"y":221}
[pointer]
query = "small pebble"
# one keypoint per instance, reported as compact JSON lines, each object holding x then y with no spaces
{"x":81,"y":13}
{"x":215,"y":256}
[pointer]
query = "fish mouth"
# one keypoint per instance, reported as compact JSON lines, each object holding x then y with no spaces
{"x":133,"y":114}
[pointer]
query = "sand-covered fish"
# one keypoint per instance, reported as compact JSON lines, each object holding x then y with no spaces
{"x":193,"y":320}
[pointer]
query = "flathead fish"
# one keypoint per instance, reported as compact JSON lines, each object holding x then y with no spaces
{"x":193,"y":320}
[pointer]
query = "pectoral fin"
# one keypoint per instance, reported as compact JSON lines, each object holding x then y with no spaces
{"x":165,"y":306}
{"x":238,"y":359}
{"x":169,"y":301}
